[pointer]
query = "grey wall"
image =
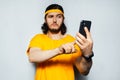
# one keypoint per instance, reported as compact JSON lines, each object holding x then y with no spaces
{"x":20,"y":20}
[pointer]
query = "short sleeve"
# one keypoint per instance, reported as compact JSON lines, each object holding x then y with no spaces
{"x":35,"y":42}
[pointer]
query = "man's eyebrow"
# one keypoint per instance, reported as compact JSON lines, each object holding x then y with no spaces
{"x":59,"y":14}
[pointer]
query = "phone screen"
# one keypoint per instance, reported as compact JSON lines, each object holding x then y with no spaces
{"x":84,"y":23}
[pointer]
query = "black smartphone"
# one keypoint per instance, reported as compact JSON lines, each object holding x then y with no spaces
{"x":84,"y":23}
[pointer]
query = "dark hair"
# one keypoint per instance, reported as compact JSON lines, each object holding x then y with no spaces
{"x":45,"y":26}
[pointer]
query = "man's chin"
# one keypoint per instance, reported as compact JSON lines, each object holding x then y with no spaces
{"x":54,"y":30}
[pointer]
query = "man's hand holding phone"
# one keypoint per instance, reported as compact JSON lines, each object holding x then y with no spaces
{"x":84,"y":40}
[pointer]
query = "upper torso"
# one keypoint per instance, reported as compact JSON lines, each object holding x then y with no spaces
{"x":59,"y":67}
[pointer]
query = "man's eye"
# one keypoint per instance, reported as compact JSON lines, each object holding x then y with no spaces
{"x":59,"y":16}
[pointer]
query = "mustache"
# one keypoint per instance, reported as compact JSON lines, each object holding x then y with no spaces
{"x":54,"y":23}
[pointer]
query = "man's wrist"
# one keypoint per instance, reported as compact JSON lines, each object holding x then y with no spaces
{"x":88,"y":57}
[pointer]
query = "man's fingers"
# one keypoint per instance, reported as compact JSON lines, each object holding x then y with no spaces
{"x":81,"y":37}
{"x":78,"y":44}
{"x":79,"y":40}
{"x":87,"y":33}
{"x":69,"y":47}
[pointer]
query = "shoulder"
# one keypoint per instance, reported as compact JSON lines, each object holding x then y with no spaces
{"x":38,"y":36}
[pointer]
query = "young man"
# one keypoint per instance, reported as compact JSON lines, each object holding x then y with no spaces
{"x":55,"y":53}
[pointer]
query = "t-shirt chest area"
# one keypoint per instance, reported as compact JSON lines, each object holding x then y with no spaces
{"x":51,"y":44}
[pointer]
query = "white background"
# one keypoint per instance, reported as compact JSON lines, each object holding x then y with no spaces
{"x":20,"y":20}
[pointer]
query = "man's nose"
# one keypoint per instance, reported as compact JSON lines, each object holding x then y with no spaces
{"x":54,"y":19}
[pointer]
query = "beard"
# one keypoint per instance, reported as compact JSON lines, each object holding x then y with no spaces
{"x":54,"y":31}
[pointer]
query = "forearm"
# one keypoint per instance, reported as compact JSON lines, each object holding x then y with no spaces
{"x":83,"y":65}
{"x":37,"y":55}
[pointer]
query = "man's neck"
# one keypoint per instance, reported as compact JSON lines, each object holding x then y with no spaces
{"x":55,"y":36}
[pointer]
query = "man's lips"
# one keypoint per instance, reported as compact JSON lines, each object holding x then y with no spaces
{"x":54,"y":24}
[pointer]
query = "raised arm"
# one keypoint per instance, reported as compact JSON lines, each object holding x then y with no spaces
{"x":84,"y":63}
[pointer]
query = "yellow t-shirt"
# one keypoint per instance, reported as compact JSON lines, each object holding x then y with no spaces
{"x":59,"y":67}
